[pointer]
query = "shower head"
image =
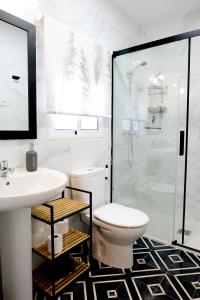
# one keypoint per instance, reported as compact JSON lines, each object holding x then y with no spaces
{"x":139,"y":64}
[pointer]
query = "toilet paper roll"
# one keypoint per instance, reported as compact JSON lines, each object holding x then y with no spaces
{"x":62,"y":227}
{"x":58,"y":243}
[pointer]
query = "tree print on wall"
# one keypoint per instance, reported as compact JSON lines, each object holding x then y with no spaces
{"x":98,"y":64}
{"x":85,"y":73}
{"x":109,"y":66}
{"x":70,"y":58}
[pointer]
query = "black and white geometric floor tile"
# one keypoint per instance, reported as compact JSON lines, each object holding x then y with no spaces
{"x":140,"y":244}
{"x":98,"y":269}
{"x":176,"y":259}
{"x":160,"y":272}
{"x":156,"y":244}
{"x":152,"y":286}
{"x":144,"y":261}
{"x":111,"y":289}
{"x":190,"y":283}
{"x":78,"y":291}
{"x":198,"y":257}
{"x":148,"y":244}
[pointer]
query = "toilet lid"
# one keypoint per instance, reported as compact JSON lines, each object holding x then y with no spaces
{"x":121,"y":216}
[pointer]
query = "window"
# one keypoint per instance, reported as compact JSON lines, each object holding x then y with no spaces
{"x":89,"y":123}
{"x":70,"y":126}
{"x":63,"y":122}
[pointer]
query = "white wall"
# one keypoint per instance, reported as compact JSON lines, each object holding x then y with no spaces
{"x":103,"y":23}
{"x":100,"y":20}
{"x":187,"y":22}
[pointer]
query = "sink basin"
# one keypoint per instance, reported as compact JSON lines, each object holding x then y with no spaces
{"x":20,"y":191}
{"x":26,"y":189}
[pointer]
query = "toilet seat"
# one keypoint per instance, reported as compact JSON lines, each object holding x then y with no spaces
{"x":121,"y":216}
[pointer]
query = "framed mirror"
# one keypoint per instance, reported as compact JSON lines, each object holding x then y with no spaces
{"x":17,"y":78}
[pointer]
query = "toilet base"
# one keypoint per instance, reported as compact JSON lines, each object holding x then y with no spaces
{"x":117,"y":256}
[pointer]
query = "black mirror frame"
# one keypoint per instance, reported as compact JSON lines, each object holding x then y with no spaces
{"x":32,"y":117}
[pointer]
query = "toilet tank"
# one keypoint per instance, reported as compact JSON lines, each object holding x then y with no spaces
{"x":92,"y":180}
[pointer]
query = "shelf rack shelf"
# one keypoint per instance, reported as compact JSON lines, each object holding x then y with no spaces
{"x":51,"y":213}
{"x":62,"y":208}
{"x":44,"y":284}
{"x":71,"y":239}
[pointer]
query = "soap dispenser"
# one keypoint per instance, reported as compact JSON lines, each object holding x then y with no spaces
{"x":31,"y":159}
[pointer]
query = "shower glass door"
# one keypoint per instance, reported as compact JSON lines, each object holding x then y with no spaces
{"x":149,"y":112}
{"x":192,"y":205}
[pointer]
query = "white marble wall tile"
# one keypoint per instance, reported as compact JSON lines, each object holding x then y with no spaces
{"x":98,"y":20}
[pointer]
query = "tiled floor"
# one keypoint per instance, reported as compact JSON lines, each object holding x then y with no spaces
{"x":159,"y":272}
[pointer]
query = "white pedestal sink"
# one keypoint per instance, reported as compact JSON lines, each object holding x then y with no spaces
{"x":18,"y":193}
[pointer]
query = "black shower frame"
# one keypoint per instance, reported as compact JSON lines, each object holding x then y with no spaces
{"x":167,"y":40}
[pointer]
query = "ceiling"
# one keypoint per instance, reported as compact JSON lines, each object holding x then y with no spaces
{"x":146,"y":12}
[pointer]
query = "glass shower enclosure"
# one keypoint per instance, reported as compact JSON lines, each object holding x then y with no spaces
{"x":155,"y":130}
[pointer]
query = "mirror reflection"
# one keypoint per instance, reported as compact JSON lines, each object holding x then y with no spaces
{"x":13,"y":78}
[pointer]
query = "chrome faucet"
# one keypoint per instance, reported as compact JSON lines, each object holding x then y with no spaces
{"x":4,"y":170}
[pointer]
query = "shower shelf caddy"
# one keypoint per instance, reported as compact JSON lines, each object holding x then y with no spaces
{"x":51,"y":213}
{"x":156,"y":108}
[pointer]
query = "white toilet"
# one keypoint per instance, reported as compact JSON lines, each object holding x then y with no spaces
{"x":115,"y":226}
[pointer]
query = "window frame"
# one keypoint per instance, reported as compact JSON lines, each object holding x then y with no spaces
{"x":75,"y":133}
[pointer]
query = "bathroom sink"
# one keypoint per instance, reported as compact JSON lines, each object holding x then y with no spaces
{"x":19,"y":191}
{"x":26,"y":189}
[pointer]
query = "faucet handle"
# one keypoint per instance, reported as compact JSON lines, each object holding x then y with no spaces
{"x":3,"y":164}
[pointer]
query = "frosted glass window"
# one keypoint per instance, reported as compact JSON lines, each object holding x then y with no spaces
{"x":70,"y":126}
{"x":63,"y":122}
{"x":89,"y":123}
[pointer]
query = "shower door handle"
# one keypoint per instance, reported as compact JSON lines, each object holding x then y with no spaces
{"x":182,"y":141}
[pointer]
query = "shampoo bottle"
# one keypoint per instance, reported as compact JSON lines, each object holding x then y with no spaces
{"x":31,"y":159}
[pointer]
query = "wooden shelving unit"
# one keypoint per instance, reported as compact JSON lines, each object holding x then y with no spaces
{"x":42,"y":281}
{"x":62,"y":208}
{"x":51,"y":213}
{"x":71,"y":239}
